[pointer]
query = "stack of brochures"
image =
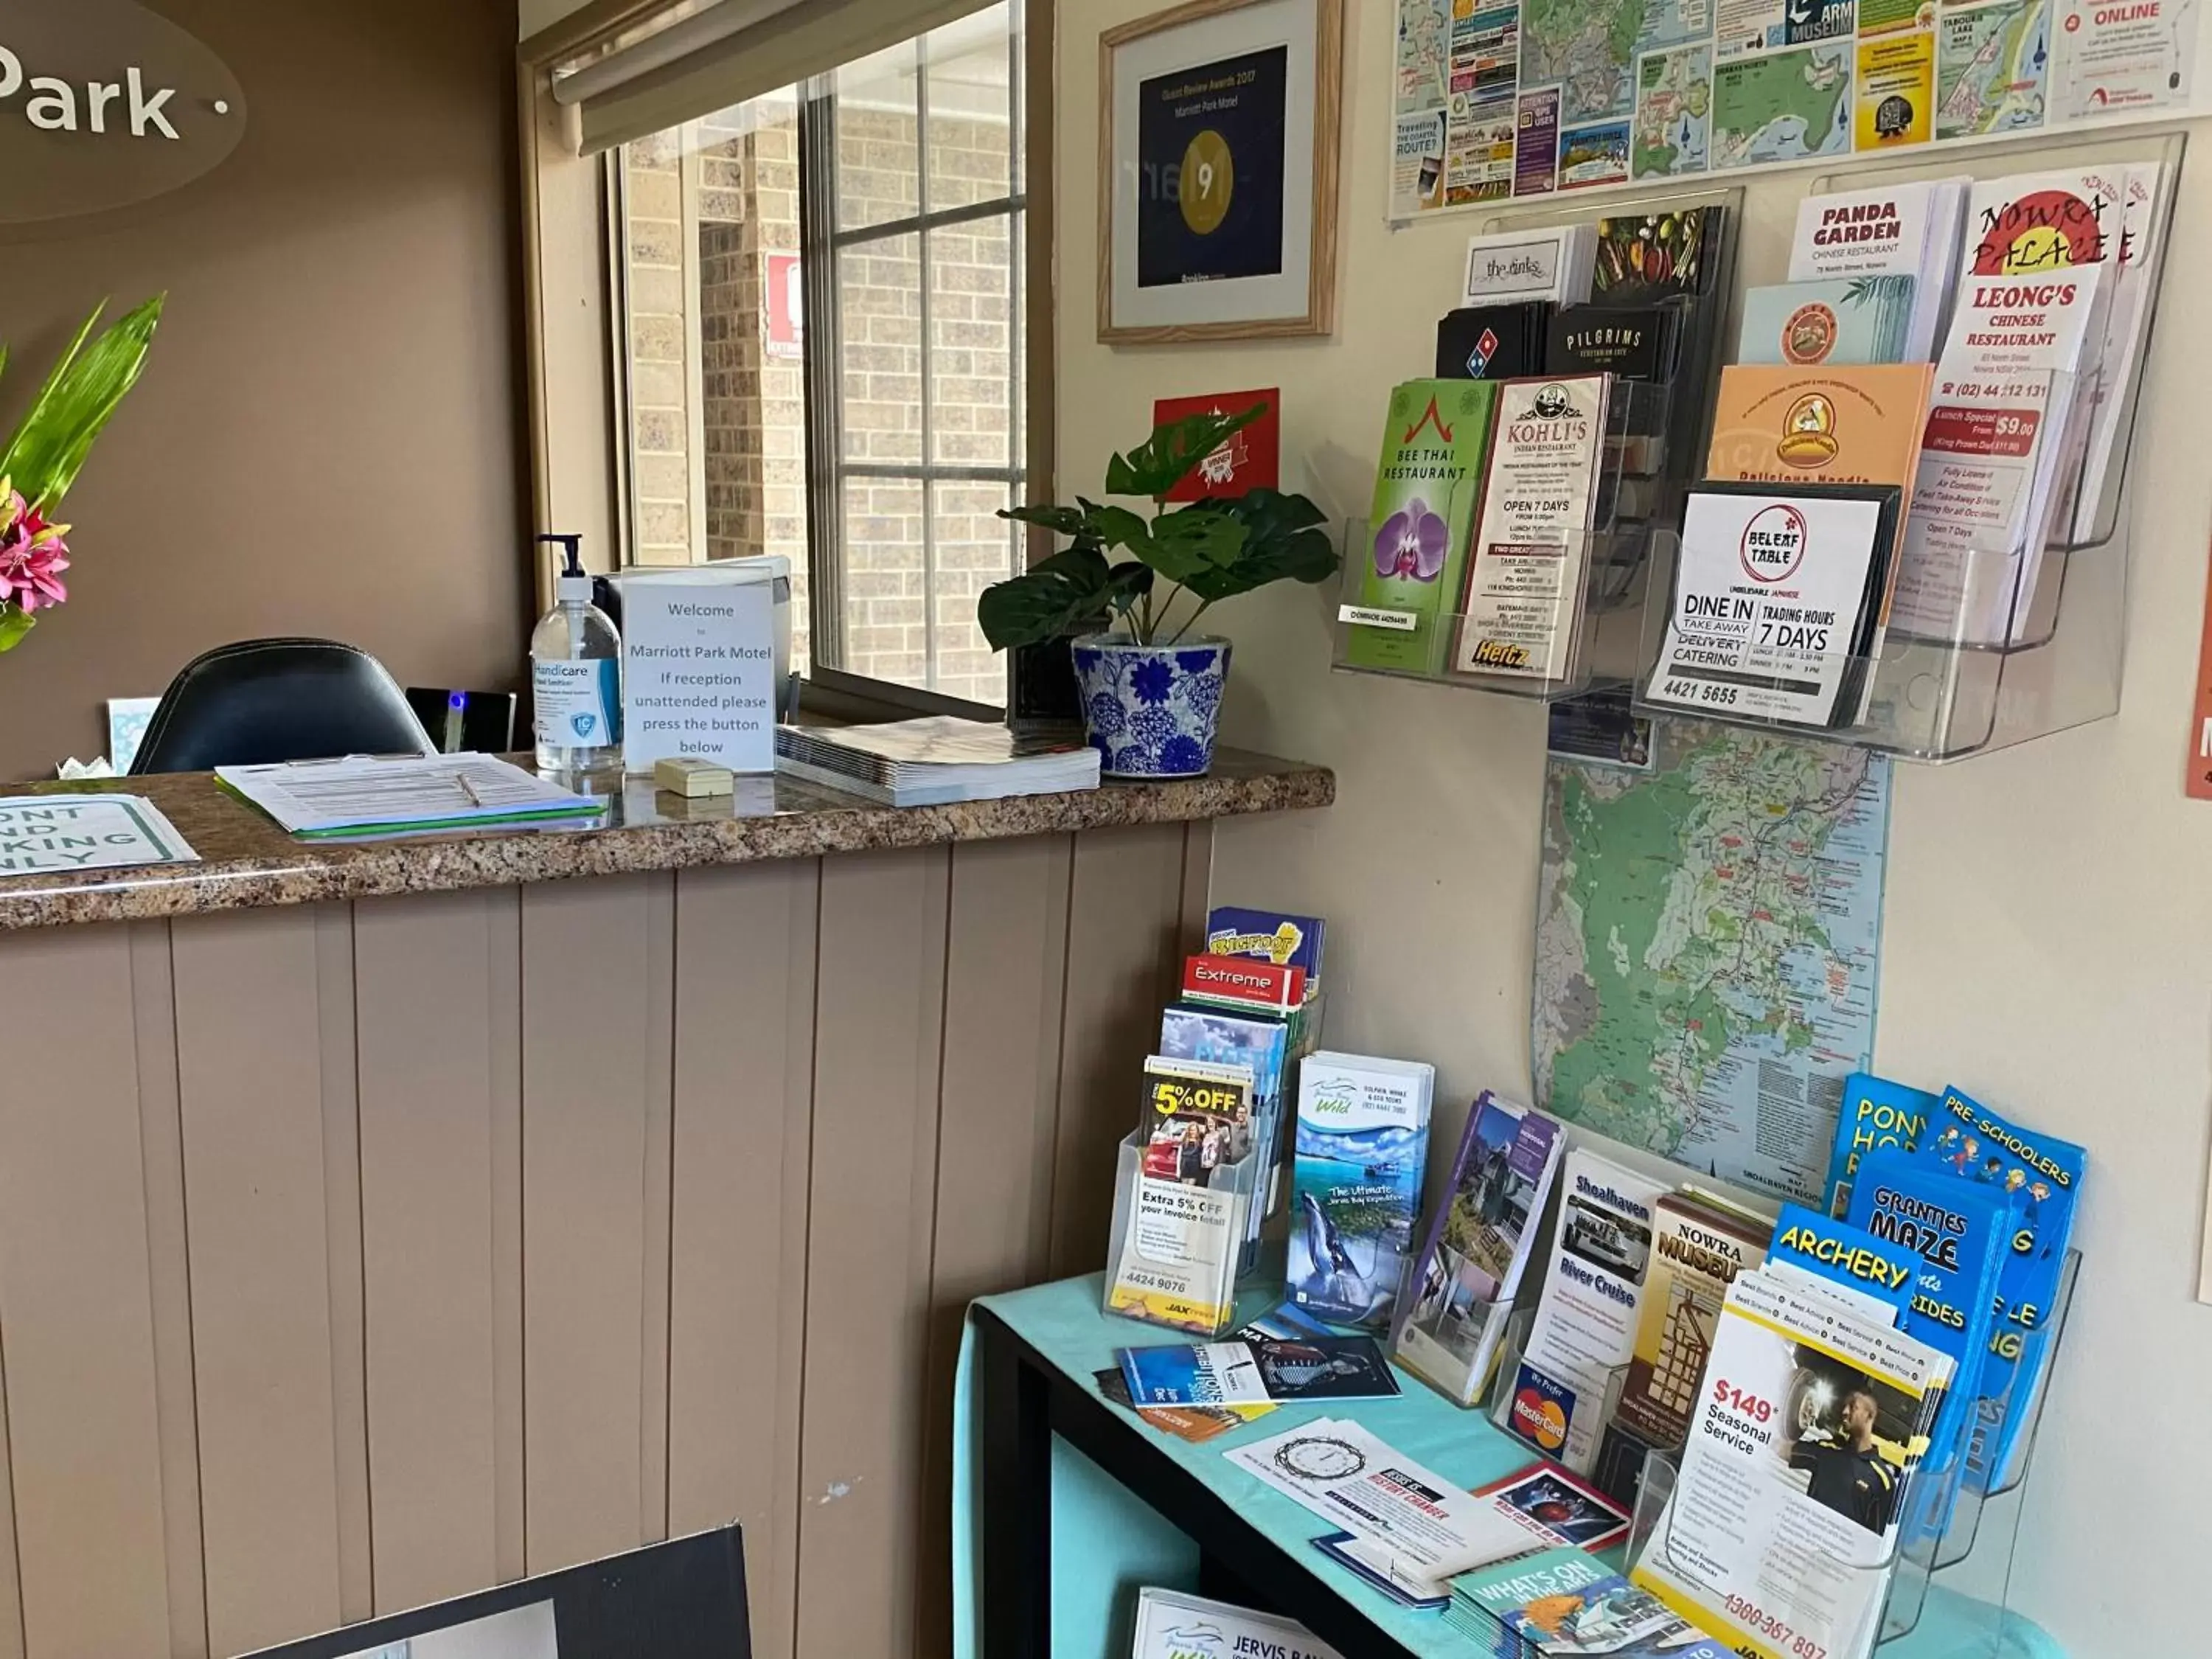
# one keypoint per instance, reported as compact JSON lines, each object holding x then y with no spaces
{"x":363,"y":798}
{"x":1561,"y":1602}
{"x":1798,"y":1470}
{"x":935,"y":761}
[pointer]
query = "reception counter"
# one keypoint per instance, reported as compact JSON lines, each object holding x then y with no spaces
{"x":381,"y":1222}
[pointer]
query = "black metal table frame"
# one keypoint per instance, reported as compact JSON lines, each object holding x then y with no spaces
{"x":1023,"y":1400}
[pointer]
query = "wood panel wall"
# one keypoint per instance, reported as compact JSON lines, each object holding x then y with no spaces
{"x":356,"y":1256}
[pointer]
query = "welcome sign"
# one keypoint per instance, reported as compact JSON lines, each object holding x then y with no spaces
{"x":103,"y":104}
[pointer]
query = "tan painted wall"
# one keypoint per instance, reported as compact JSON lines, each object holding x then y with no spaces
{"x":356,"y":1256}
{"x":327,"y":438}
{"x":2048,"y":938}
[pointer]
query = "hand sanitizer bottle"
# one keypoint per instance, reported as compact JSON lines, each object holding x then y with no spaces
{"x":575,"y":675}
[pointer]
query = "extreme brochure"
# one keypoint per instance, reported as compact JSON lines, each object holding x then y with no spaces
{"x":1809,"y":1423}
{"x":1524,"y":605}
{"x":1778,"y":602}
{"x":1360,"y":1146}
{"x":1478,"y":1245}
{"x":1428,"y":482}
{"x":1875,"y":1112}
{"x":1587,"y":1311}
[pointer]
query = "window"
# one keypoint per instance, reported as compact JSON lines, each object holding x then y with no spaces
{"x":820,"y":342}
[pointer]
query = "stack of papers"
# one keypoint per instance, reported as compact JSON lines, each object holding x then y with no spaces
{"x":932,"y":762}
{"x":1405,"y":1528}
{"x":361,"y":797}
{"x":1169,"y":1625}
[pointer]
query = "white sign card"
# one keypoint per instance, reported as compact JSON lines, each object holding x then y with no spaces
{"x":1770,"y":601}
{"x":42,"y":835}
{"x":699,"y":672}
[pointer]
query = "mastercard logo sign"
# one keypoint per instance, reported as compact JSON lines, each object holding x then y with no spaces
{"x":1540,"y":1421}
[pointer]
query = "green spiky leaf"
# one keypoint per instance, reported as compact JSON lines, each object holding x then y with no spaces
{"x":1164,"y":459}
{"x":76,"y":404}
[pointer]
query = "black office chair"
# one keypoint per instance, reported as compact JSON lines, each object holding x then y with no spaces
{"x":264,"y":701}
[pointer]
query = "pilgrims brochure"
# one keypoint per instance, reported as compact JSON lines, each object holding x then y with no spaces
{"x":1777,"y":603}
{"x":1525,"y":575}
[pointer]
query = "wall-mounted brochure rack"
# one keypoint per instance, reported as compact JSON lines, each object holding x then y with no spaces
{"x":1907,"y":1579}
{"x":1579,"y":603}
{"x":1989,"y":644}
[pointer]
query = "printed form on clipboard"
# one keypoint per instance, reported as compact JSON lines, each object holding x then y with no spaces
{"x":363,"y":796}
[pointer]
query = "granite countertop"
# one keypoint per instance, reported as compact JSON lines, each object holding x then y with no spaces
{"x":247,"y":863}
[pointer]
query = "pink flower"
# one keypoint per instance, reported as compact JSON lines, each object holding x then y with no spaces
{"x":32,"y":555}
{"x":1411,"y":543}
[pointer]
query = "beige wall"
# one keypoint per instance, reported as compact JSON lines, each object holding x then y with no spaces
{"x":326,"y":438}
{"x":2049,"y":929}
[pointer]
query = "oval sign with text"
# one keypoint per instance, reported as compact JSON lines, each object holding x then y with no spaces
{"x":103,"y":104}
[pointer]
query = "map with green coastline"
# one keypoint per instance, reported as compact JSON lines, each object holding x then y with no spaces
{"x":1590,"y":47}
{"x":1674,"y":111}
{"x":1783,"y":107}
{"x":1708,"y":937}
{"x":1991,"y":65}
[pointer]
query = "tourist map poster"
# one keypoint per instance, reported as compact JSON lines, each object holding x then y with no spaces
{"x":1492,"y":101}
{"x":1708,"y":940}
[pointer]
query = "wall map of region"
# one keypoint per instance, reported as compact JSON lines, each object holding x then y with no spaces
{"x":1606,"y":93}
{"x":1708,"y":935}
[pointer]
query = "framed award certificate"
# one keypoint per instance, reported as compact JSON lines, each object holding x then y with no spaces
{"x":1218,"y":140}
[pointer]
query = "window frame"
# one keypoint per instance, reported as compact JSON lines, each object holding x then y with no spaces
{"x":822,"y":243}
{"x":830,"y":688}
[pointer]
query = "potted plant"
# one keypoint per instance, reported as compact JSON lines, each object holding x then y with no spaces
{"x":40,"y":462}
{"x":1151,"y":687}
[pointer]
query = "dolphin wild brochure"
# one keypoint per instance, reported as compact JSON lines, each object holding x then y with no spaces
{"x":1362,"y":1142}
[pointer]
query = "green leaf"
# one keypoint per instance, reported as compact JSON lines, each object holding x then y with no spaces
{"x":1204,"y":531}
{"x":15,"y":622}
{"x":1067,"y":520}
{"x":1072,"y":592}
{"x":1161,"y":462}
{"x":1284,"y":541}
{"x":76,"y":404}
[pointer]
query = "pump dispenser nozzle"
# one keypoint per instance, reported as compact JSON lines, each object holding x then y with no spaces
{"x":570,"y":582}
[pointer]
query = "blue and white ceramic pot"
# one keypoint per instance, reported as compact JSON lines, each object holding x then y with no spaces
{"x":1152,"y":709}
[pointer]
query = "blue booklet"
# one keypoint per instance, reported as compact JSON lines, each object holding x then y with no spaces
{"x":1958,"y":1231}
{"x":1851,"y":1256}
{"x":2043,"y":1175}
{"x":1254,"y":1369}
{"x":1192,"y":1373}
{"x":1876,"y":1113}
{"x":1275,"y":936}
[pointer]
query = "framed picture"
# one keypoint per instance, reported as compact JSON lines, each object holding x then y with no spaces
{"x":1218,"y":137}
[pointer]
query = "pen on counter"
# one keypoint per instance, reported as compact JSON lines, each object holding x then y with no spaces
{"x":468,"y":789}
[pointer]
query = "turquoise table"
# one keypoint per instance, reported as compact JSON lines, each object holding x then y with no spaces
{"x":1064,"y":1504}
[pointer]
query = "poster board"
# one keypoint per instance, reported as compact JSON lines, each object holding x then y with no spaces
{"x":1522,"y":98}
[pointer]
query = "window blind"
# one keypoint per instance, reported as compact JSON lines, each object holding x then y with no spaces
{"x":691,"y":58}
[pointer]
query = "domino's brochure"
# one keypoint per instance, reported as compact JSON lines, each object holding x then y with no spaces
{"x":1875,"y":1112}
{"x":2045,"y":1175}
{"x":1172,"y":1625}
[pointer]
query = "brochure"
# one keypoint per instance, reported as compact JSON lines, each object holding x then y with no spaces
{"x":1894,"y":228}
{"x":1428,"y":480}
{"x":1429,"y":1527}
{"x":1862,"y":320}
{"x":1788,"y":1497}
{"x":1876,"y":1275}
{"x":1778,"y":602}
{"x":1875,"y":1112}
{"x":1361,"y":1146}
{"x":1586,"y":1312}
{"x":1196,"y":1424}
{"x":1559,"y":1503}
{"x":1525,"y":575}
{"x":1478,"y":1247}
{"x":1172,"y":1625}
{"x":1696,"y":1253}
